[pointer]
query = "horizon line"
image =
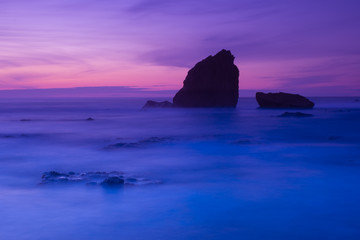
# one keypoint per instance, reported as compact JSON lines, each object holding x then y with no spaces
{"x":124,"y":91}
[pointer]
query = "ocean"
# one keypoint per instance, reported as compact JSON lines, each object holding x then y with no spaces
{"x":244,"y":173}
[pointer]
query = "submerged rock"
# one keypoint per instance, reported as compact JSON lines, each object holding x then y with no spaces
{"x":140,"y":143}
{"x":154,"y":104}
{"x":282,"y":100}
{"x":90,"y":119}
{"x":212,"y":82}
{"x":94,"y":178}
{"x":295,"y":114}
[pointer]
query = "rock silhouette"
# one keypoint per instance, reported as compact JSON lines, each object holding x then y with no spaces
{"x":295,"y":114}
{"x":212,"y":82}
{"x":282,"y":100}
{"x":154,"y":104}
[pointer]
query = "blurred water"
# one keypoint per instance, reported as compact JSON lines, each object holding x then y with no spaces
{"x":226,"y":174}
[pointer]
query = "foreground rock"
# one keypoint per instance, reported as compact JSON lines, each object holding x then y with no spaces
{"x":295,"y":114}
{"x":109,"y":179}
{"x":213,"y":82}
{"x":154,"y":104}
{"x":113,"y":181}
{"x":282,"y":100}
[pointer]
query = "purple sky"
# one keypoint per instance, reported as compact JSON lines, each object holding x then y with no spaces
{"x":308,"y":47}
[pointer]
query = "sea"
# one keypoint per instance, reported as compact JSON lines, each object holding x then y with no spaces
{"x":244,"y":173}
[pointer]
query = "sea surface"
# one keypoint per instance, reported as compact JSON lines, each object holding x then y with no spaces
{"x":242,"y":173}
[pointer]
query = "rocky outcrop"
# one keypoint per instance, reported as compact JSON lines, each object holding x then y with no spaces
{"x":282,"y":100}
{"x":106,"y":179}
{"x":154,"y":104}
{"x":295,"y":114}
{"x":113,"y":181}
{"x":212,"y":82}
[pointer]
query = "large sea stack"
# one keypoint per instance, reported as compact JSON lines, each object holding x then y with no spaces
{"x":283,"y":100}
{"x":213,"y":82}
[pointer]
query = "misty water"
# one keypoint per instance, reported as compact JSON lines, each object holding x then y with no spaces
{"x":240,"y":173}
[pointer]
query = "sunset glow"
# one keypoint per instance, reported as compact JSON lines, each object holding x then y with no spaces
{"x":309,"y":47}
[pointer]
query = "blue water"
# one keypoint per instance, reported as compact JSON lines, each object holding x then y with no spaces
{"x":226,"y":174}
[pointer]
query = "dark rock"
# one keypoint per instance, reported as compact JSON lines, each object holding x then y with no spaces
{"x":90,"y":119}
{"x":25,"y":120}
{"x":295,"y":114}
{"x":213,"y":82}
{"x":113,"y":178}
{"x":154,"y":104}
{"x":113,"y":181}
{"x":283,"y":100}
{"x":140,"y":143}
{"x":357,"y":100}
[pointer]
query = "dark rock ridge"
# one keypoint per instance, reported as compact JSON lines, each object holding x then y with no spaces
{"x":212,"y":82}
{"x":140,"y":143}
{"x":295,"y":114}
{"x":110,"y":179}
{"x":154,"y":104}
{"x":282,"y":100}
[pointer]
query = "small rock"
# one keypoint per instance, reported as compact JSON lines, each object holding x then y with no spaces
{"x":140,"y":143}
{"x":154,"y":104}
{"x":90,"y":119}
{"x":113,"y":181}
{"x":295,"y":114}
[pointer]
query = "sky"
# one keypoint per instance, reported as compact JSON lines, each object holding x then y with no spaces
{"x":311,"y":47}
